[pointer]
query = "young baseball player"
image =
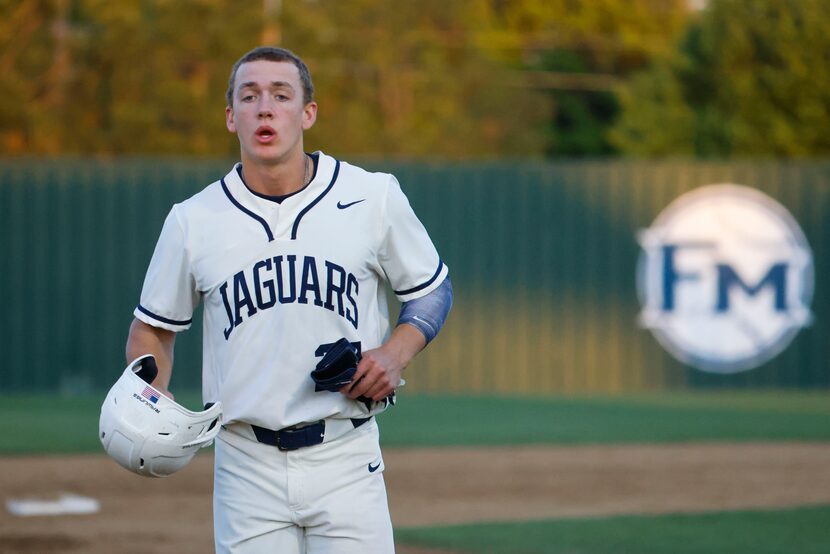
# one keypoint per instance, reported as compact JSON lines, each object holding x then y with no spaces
{"x":290,"y":253}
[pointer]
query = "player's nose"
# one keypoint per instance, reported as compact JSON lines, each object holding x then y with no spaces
{"x":265,"y":109}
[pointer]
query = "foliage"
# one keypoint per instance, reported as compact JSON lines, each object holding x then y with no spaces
{"x":112,"y":78}
{"x":406,"y":79}
{"x":577,"y":52}
{"x":749,"y":79}
{"x":423,"y":79}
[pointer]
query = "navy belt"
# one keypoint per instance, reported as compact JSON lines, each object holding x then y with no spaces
{"x":292,"y":438}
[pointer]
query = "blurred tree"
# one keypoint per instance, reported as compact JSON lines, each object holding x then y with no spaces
{"x":406,"y":79}
{"x":150,"y":75}
{"x":26,"y":56}
{"x":127,"y":77}
{"x":478,"y":78}
{"x":748,"y":79}
{"x":578,"y":52}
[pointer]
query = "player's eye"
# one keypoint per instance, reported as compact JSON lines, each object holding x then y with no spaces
{"x":281,"y":97}
{"x":248,"y":98}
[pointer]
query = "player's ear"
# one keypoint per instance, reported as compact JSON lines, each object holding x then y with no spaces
{"x":229,"y":121}
{"x":309,"y":115}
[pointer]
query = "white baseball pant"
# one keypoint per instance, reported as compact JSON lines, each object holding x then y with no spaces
{"x":321,"y":499}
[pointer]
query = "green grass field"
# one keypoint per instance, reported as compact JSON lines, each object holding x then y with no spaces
{"x":56,"y":425}
{"x":801,"y":531}
{"x":53,"y":424}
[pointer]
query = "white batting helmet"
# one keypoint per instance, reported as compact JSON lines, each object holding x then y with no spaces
{"x":147,"y":432}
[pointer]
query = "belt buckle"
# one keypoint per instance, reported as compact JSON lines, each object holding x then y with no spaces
{"x":300,"y":436}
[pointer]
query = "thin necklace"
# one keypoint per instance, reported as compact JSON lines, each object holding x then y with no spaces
{"x":306,"y":178}
{"x":306,"y":160}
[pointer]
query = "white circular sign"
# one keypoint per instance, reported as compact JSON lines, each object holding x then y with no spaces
{"x":725,"y":278}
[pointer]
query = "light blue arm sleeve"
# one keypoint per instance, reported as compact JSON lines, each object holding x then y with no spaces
{"x":429,"y":312}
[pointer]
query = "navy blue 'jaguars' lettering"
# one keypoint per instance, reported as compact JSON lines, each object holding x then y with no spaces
{"x":292,"y":273}
{"x":277,"y":279}
{"x":337,"y":285}
{"x":223,"y":290}
{"x":242,"y":298}
{"x":268,"y":285}
{"x":310,"y":282}
{"x":351,"y":294}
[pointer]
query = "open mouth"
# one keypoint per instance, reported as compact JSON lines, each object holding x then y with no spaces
{"x":265,"y":134}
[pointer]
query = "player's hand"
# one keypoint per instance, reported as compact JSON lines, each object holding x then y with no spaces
{"x":377,"y":375}
{"x":379,"y":372}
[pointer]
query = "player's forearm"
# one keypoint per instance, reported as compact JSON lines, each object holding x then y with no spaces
{"x":404,"y":343}
{"x":146,"y":339}
{"x":379,"y":372}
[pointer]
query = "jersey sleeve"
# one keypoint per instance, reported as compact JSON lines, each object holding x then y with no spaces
{"x":407,"y":255}
{"x":169,"y":294}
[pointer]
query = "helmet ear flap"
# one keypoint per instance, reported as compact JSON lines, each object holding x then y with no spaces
{"x":146,"y":370}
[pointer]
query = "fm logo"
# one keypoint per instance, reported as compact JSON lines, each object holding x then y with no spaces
{"x":725,"y":278}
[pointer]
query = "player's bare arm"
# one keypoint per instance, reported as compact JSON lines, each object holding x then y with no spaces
{"x":419,"y":322}
{"x":147,"y":339}
{"x":379,"y":371}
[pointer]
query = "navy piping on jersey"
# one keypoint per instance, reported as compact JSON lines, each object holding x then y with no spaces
{"x":424,"y":285}
{"x":247,"y":211}
{"x":307,"y":208}
{"x":278,"y":198}
{"x":145,"y":311}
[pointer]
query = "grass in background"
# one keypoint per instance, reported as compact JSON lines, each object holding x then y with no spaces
{"x":802,"y":530}
{"x":42,"y":424}
{"x":661,"y":417}
{"x":55,"y":424}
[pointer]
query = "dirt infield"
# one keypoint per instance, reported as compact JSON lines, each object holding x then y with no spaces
{"x":426,"y":487}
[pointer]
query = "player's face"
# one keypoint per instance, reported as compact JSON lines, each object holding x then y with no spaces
{"x":268,"y":113}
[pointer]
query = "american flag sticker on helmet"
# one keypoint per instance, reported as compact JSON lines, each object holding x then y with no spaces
{"x":150,"y":394}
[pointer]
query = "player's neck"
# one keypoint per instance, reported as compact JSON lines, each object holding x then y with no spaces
{"x":278,"y":179}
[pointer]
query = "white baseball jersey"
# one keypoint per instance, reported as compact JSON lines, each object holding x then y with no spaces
{"x":281,"y":281}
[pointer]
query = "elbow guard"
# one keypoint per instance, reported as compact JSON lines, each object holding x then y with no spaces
{"x":429,"y":312}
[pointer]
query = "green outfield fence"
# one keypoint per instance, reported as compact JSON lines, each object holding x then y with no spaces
{"x":542,"y":256}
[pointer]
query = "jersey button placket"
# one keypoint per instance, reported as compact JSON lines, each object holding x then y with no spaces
{"x":274,"y":219}
{"x":282,"y":221}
